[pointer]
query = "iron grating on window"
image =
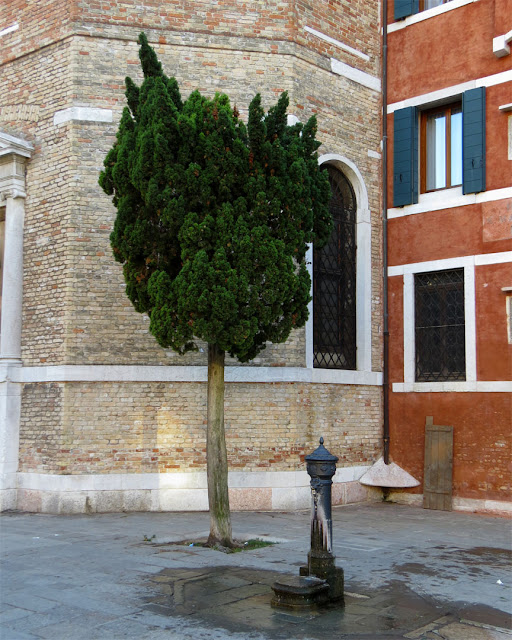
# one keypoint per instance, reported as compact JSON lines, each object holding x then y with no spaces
{"x":334,"y":282}
{"x":440,"y":326}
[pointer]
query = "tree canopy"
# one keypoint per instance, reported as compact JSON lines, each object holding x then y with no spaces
{"x":214,"y":216}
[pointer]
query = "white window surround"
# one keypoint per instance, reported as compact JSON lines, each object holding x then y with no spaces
{"x":433,"y":98}
{"x":363,"y":374}
{"x":468,"y":263}
{"x":429,"y":13}
{"x":448,"y":199}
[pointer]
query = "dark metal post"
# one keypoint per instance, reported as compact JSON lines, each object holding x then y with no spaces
{"x":321,"y":466}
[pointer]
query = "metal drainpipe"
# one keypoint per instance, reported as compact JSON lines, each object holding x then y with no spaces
{"x":385,"y":373}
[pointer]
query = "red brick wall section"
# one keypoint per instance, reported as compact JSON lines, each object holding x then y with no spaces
{"x":269,"y":19}
{"x":442,"y":51}
{"x":448,"y":233}
{"x":482,"y":439}
{"x":342,"y":20}
{"x":494,"y":353}
{"x":498,"y":167}
{"x":396,"y":333}
{"x":161,"y":427}
{"x":502,"y":17}
{"x":41,"y":22}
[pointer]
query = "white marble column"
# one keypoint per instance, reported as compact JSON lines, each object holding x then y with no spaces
{"x":13,"y":157}
{"x":12,"y":283}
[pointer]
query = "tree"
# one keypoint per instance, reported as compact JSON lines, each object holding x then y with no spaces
{"x":213,"y":221}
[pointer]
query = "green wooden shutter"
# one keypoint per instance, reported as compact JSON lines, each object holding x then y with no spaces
{"x":404,"y":8}
{"x":473,"y":140}
{"x":405,"y":157}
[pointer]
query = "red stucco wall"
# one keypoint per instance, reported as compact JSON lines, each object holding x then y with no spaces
{"x":494,"y":353}
{"x":482,"y":439}
{"x":443,"y":51}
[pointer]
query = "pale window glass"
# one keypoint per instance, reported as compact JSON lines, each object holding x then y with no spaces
{"x":436,"y":151}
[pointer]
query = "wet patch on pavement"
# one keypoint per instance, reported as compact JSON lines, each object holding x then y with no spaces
{"x":238,"y":599}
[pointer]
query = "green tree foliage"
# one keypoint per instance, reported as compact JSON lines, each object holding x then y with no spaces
{"x":213,"y":221}
{"x":213,"y":216}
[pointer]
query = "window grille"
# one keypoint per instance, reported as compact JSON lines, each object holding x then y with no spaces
{"x":334,"y":282}
{"x":439,"y":324}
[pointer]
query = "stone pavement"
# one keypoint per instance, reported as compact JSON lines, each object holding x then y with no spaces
{"x":409,"y":573}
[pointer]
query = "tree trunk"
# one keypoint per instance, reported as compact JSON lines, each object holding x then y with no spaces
{"x":216,"y":455}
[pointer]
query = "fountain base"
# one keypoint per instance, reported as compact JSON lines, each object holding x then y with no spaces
{"x":300,"y":592}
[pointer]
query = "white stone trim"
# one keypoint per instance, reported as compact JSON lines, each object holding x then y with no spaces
{"x":500,"y":45}
{"x":478,"y":260}
{"x":12,"y":144}
{"x":471,"y":384}
{"x":337,"y":43}
{"x":478,"y":386}
{"x":10,"y":29}
{"x":429,"y":13}
{"x":409,"y":333}
{"x":86,"y":114}
{"x":493,"y":258}
{"x":471,"y":505}
{"x":10,"y":320}
{"x":429,"y":99}
{"x":448,"y":199}
{"x":291,"y":119}
{"x":179,"y":480}
{"x":361,"y":77}
{"x":289,"y":490}
{"x":504,"y":108}
{"x":13,"y":157}
{"x":309,"y":321}
{"x":374,"y":154}
{"x":140,"y":373}
{"x":470,"y":323}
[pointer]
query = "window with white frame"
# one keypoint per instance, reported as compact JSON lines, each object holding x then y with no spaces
{"x":439,"y":147}
{"x":344,"y":354}
{"x":439,"y":317}
{"x":334,"y":282}
{"x":404,"y":8}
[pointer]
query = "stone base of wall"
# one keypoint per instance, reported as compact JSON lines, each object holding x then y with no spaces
{"x":249,"y":491}
{"x":8,"y":499}
{"x":490,"y":507}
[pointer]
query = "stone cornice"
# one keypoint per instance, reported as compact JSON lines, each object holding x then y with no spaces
{"x":13,"y":145}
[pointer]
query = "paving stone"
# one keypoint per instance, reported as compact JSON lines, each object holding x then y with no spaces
{"x":124,"y":582}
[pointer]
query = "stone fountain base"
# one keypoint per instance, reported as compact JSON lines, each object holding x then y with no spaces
{"x":300,"y":592}
{"x":333,"y":576}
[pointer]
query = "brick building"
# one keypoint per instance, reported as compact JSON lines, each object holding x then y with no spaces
{"x":95,"y":416}
{"x":449,"y":109}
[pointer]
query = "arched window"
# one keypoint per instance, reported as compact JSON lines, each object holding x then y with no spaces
{"x":334,"y":282}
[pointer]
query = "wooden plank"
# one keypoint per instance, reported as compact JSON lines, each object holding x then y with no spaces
{"x":437,"y":477}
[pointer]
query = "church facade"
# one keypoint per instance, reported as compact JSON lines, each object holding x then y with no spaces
{"x":95,"y":416}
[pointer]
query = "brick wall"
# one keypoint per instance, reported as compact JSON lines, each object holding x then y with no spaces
{"x":82,"y":428}
{"x":75,"y":309}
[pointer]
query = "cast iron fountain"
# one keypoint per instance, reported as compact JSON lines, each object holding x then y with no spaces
{"x":320,"y":582}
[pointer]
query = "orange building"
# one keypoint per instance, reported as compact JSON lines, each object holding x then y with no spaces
{"x":449,"y":211}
